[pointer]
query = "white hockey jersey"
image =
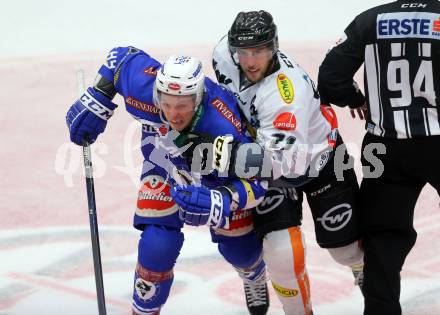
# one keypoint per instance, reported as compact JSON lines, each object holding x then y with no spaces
{"x":284,"y":111}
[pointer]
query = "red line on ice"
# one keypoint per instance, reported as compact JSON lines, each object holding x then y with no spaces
{"x":68,"y":289}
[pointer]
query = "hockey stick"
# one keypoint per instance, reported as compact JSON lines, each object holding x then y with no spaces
{"x":92,"y":210}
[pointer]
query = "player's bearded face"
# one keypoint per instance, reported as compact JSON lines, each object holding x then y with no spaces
{"x":254,"y":61}
{"x":178,"y":109}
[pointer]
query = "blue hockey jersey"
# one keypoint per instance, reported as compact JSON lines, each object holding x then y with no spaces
{"x":133,"y":73}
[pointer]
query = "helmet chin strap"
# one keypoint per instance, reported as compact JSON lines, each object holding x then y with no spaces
{"x":157,"y":103}
{"x":162,"y":117}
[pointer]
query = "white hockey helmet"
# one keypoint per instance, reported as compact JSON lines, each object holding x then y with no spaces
{"x":180,"y":75}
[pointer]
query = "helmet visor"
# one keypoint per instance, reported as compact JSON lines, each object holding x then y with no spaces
{"x":262,"y":52}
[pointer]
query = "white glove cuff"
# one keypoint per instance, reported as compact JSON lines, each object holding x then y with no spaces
{"x":221,"y":153}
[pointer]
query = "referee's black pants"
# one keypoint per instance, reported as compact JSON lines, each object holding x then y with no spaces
{"x":387,"y":212}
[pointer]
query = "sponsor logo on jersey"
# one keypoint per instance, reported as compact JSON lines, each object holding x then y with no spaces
{"x":240,"y":224}
{"x":408,"y":24}
{"x":285,"y":121}
{"x":144,"y":107}
{"x":436,"y":26}
{"x":273,"y":198}
{"x":150,"y":71}
{"x":284,"y":292}
{"x":286,"y":88}
{"x":224,"y":110}
{"x":241,"y":219}
{"x":154,"y":198}
{"x":241,"y":214}
{"x":337,"y":217}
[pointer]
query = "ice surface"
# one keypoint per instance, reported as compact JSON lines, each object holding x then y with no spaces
{"x":45,"y":252}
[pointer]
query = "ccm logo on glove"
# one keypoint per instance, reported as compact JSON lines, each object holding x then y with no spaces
{"x":216,"y":208}
{"x":221,"y":153}
{"x":96,"y":108}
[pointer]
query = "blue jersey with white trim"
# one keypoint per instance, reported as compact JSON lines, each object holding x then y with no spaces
{"x":133,"y":73}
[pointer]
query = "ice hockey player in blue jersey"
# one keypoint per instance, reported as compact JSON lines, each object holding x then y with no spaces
{"x":171,"y":101}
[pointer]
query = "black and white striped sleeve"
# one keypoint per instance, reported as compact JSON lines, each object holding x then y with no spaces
{"x":335,"y":79}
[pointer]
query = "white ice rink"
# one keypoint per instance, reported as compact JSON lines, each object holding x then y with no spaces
{"x":45,"y":250}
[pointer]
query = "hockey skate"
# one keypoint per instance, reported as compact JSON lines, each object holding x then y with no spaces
{"x":257,"y":297}
{"x":255,"y":287}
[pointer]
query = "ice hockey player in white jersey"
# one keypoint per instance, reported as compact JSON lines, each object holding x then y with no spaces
{"x":300,"y":136}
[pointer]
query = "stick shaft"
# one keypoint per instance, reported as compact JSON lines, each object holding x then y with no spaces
{"x":94,"y":233}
